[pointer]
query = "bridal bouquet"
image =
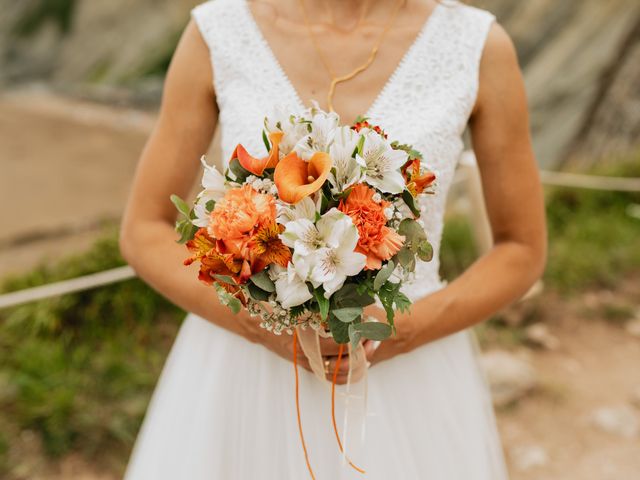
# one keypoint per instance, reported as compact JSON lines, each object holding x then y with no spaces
{"x":322,"y":226}
{"x":309,"y":235}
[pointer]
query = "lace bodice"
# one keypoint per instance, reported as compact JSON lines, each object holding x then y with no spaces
{"x":426,"y":102}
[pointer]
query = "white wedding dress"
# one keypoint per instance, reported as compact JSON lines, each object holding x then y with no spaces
{"x":224,"y":408}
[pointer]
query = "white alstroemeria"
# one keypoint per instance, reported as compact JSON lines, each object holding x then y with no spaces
{"x":324,"y":251}
{"x":346,"y":170}
{"x":293,"y":127}
{"x":382,"y":164}
{"x":213,"y":183}
{"x":291,"y":290}
{"x":320,"y":134}
{"x":305,"y":208}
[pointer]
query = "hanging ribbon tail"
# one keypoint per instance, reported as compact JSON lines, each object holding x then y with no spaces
{"x":350,"y":401}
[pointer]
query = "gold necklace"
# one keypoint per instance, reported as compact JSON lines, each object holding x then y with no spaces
{"x":335,"y":79}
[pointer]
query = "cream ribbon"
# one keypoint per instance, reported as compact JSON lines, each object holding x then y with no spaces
{"x":355,"y":393}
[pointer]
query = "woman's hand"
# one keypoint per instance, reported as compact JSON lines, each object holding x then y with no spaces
{"x":282,"y":345}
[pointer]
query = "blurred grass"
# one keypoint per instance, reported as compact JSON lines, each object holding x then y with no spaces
{"x":78,"y":370}
{"x":593,"y":241}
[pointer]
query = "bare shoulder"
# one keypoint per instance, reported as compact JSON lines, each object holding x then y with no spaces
{"x":499,"y":50}
{"x":192,"y":51}
{"x":500,"y":74}
{"x":190,"y":71}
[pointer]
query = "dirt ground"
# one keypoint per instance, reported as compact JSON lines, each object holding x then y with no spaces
{"x":66,"y":168}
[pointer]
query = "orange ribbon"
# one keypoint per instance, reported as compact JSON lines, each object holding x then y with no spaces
{"x":333,"y":403}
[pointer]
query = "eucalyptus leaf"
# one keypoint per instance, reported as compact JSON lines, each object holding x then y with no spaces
{"x":186,"y":230}
{"x":238,"y":170}
{"x":227,"y":299}
{"x":348,"y":296}
{"x":406,"y":258}
{"x":412,"y":231}
{"x":425,"y":251}
{"x":225,"y":279}
{"x":348,"y":314}
{"x":373,"y":330}
{"x":354,"y":335}
{"x":257,"y":293}
{"x":383,"y":275}
{"x":339,"y":330}
{"x":262,"y":280}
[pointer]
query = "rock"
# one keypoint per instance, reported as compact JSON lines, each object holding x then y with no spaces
{"x":528,"y":457}
{"x":539,"y":335}
{"x":633,"y":327}
{"x":510,"y":377}
{"x":617,"y":420}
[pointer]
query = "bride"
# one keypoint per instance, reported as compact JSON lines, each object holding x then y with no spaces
{"x":224,"y":407}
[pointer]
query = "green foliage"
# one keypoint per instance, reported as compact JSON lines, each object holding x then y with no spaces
{"x":457,"y":248}
{"x":41,"y":11}
{"x":79,"y":369}
{"x":593,"y":241}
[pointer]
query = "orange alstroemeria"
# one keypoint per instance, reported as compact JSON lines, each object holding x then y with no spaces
{"x":297,"y":179}
{"x":255,"y":165}
{"x":267,"y":248}
{"x":416,"y":182}
{"x":205,"y":249}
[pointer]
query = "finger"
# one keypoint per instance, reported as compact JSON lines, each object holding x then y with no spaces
{"x":328,"y":347}
{"x":331,"y":362}
{"x":370,"y":347}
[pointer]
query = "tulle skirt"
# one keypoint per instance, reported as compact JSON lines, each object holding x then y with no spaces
{"x":224,"y":408}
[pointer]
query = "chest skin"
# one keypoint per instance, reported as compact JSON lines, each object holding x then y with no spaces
{"x":284,"y":30}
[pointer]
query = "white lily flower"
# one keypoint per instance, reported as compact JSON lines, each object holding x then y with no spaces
{"x":320,"y":134}
{"x":291,"y":290}
{"x":382,"y":164}
{"x":305,"y":208}
{"x":324,"y":251}
{"x":214,"y":186}
{"x":281,"y":120}
{"x":346,"y":170}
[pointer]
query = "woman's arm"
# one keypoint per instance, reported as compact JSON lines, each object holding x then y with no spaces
{"x":170,"y":164}
{"x":514,"y":201}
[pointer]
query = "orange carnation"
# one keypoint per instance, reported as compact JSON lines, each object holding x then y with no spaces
{"x":377,"y":241}
{"x":241,"y":211}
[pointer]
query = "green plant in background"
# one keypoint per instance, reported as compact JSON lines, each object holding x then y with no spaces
{"x":79,"y":369}
{"x":41,"y":11}
{"x":593,"y":240}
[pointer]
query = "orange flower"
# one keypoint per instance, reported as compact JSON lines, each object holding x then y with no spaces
{"x":377,"y":241}
{"x":255,"y":165}
{"x":267,"y":248}
{"x":212,"y":261}
{"x":297,"y":179}
{"x":240,"y":212}
{"x":416,"y":183}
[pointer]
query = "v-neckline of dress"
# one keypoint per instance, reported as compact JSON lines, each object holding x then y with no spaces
{"x":395,"y":74}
